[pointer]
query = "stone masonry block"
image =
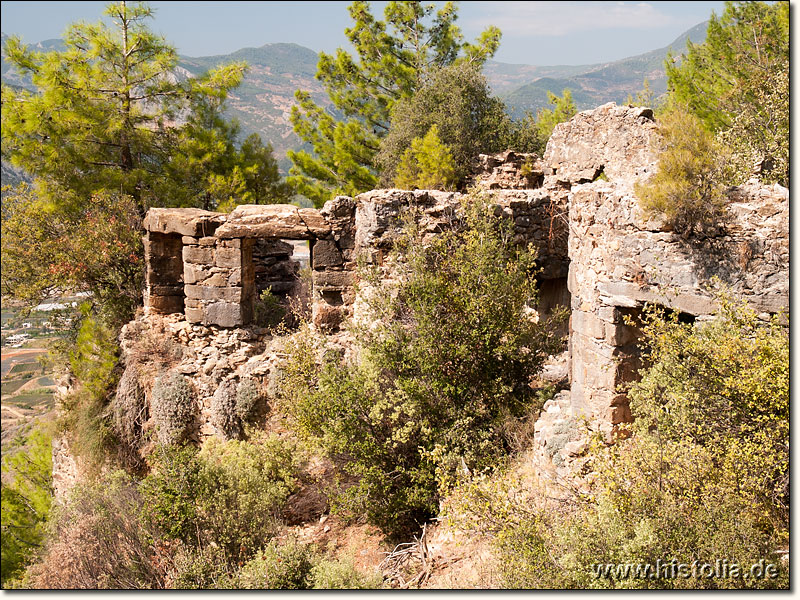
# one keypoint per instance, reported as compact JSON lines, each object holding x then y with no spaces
{"x":198,"y":241}
{"x":203,"y":292}
{"x":229,"y":257}
{"x":194,"y":315}
{"x":620,"y":335}
{"x":587,"y":324}
{"x":231,"y":243}
{"x":326,"y":254}
{"x":198,"y":255}
{"x":332,"y":279}
{"x":224,"y":314}
{"x":193,"y":273}
{"x":166,"y":304}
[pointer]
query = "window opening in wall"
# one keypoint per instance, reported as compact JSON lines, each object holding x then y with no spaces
{"x":282,"y":282}
{"x":165,"y":272}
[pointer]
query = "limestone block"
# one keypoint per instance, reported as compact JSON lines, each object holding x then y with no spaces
{"x":620,"y":335}
{"x":587,"y":324}
{"x":332,"y":279}
{"x":193,"y":315}
{"x":166,"y":304}
{"x":218,"y":280}
{"x":193,"y":273}
{"x":326,"y":254}
{"x":191,"y":222}
{"x":201,"y":241}
{"x":224,"y":314}
{"x":198,"y":255}
{"x":234,"y":243}
{"x":229,"y":257}
{"x":283,"y":221}
{"x":203,"y":292}
{"x":166,"y":290}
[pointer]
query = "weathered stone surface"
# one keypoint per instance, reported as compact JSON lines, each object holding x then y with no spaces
{"x":194,"y":315}
{"x":185,"y":221}
{"x":194,"y":273}
{"x":198,"y":255}
{"x":325,"y":254}
{"x":508,"y":170}
{"x":198,"y":241}
{"x":333,"y":279}
{"x":273,"y":220}
{"x":230,"y":258}
{"x":205,"y":292}
{"x":166,"y":304}
{"x":587,"y":324}
{"x":614,"y":140}
{"x":224,"y":314}
{"x":327,"y":318}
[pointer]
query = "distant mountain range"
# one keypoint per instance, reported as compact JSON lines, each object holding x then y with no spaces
{"x":263,"y":102}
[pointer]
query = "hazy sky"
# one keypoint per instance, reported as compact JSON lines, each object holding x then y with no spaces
{"x":543,"y":33}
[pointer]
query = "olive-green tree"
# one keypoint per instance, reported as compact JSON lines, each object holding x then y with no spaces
{"x":394,"y":59}
{"x":687,"y":190}
{"x":458,"y":102}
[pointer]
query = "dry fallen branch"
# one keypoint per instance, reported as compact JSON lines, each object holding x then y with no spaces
{"x":407,"y":558}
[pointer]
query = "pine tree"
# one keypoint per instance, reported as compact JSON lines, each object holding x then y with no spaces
{"x":109,"y":113}
{"x":394,"y":59}
{"x":547,"y":118}
{"x":738,"y":78}
{"x":108,"y":132}
{"x":428,"y":164}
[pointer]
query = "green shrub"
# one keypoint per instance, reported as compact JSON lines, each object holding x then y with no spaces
{"x":687,"y":191}
{"x":248,"y":398}
{"x":427,"y":164}
{"x":173,"y":408}
{"x":98,"y":541}
{"x":26,"y":498}
{"x":233,"y":405}
{"x":342,"y":574}
{"x":170,"y":491}
{"x":92,"y":360}
{"x":704,"y":476}
{"x":229,"y":494}
{"x":448,"y":359}
{"x":292,"y":565}
{"x":223,"y":411}
{"x":269,"y":312}
{"x":199,"y":569}
{"x":279,"y":566}
{"x":129,"y":414}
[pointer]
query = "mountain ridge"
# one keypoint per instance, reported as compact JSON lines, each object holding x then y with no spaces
{"x":263,"y":102}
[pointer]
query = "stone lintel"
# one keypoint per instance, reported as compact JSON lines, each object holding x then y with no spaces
{"x":192,"y":222}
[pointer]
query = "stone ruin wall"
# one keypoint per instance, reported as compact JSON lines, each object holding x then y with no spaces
{"x":576,"y":205}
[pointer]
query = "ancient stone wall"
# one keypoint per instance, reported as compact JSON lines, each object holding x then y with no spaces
{"x":576,"y":205}
{"x":619,"y":260}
